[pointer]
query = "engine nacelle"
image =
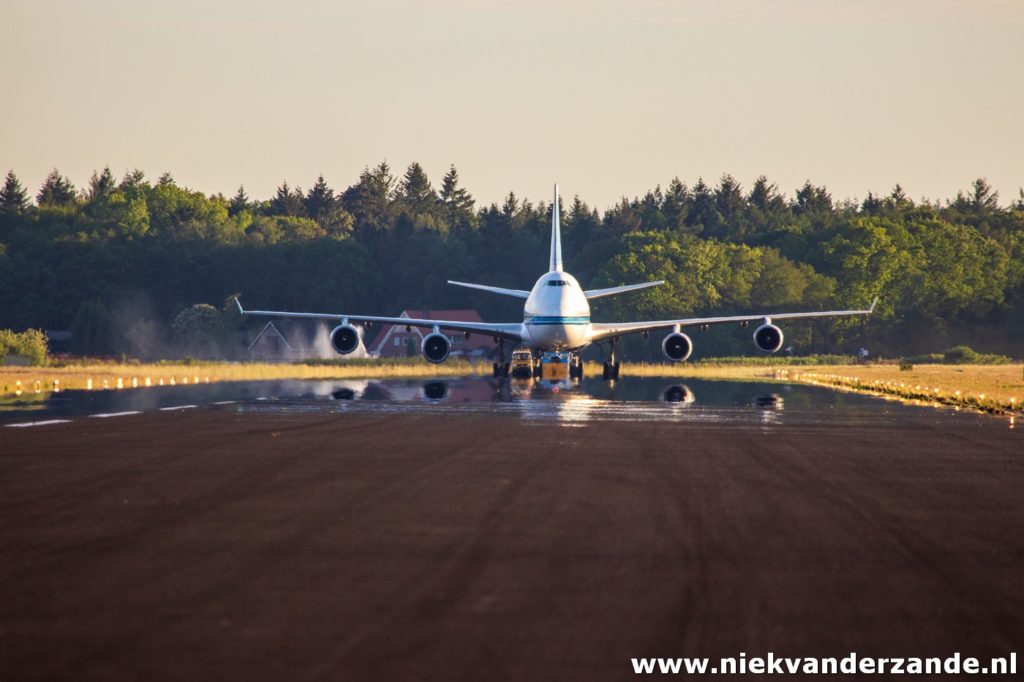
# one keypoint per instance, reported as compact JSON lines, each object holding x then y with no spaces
{"x":677,"y":347}
{"x":768,"y":338}
{"x":436,"y":347}
{"x":345,"y":338}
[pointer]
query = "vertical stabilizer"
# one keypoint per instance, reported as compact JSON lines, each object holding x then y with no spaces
{"x":556,"y":236}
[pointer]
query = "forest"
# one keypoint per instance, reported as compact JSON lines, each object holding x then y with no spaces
{"x":116,"y":261}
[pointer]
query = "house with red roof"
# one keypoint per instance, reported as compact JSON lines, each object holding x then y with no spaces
{"x":398,"y":341}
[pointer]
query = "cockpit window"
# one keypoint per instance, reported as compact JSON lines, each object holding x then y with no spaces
{"x":557,"y":283}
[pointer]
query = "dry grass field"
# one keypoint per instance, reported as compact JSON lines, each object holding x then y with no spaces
{"x":118,"y":375}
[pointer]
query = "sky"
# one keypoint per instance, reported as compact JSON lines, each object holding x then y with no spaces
{"x":607,"y":98}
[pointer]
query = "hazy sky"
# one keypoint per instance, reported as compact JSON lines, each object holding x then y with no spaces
{"x":608,"y":98}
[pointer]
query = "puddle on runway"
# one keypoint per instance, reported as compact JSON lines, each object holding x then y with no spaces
{"x":571,"y":404}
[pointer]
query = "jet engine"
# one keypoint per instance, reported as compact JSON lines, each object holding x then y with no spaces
{"x":677,"y":347}
{"x":436,"y":347}
{"x":768,"y":338}
{"x":345,"y":338}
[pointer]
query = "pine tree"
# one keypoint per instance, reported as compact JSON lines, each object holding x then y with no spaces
{"x":729,"y":197}
{"x":456,"y":200}
{"x":165,"y":179}
{"x":320,"y":202}
{"x":239,"y":203}
{"x":511,"y":205}
{"x":984,"y":198}
{"x":811,"y":199}
{"x":416,"y":190}
{"x":133,"y":179}
{"x":871,"y":204}
{"x":898,"y":199}
{"x":369,"y":201}
{"x":288,"y":202}
{"x":702,"y":211}
{"x":56,"y":191}
{"x":766,"y":196}
{"x":676,"y":204}
{"x":13,"y":198}
{"x":100,"y":184}
{"x":453,"y":196}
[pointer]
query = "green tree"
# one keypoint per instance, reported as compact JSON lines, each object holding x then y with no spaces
{"x":240,"y":202}
{"x":416,"y":191}
{"x":288,"y":202}
{"x":12,"y":197}
{"x":325,"y":209}
{"x":811,"y":200}
{"x":457,"y":202}
{"x":676,"y":204}
{"x":135,"y":219}
{"x":56,"y":191}
{"x":30,"y":344}
{"x":134,"y":184}
{"x":199,"y":330}
{"x":101,"y":185}
{"x":983,"y":197}
{"x":765,"y":196}
{"x":370,"y":200}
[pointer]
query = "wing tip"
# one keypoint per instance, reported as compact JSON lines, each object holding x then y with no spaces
{"x":241,"y":311}
{"x":873,"y":304}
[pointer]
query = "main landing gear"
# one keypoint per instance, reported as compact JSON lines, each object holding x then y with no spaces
{"x":500,"y":368}
{"x":611,"y":365}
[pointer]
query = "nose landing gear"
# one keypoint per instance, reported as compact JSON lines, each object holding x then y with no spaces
{"x":576,"y":367}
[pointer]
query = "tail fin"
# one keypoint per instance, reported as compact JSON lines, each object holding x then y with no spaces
{"x":556,"y":236}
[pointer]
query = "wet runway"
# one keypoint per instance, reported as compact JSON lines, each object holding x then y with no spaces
{"x":568,"y":403}
{"x":394,"y":531}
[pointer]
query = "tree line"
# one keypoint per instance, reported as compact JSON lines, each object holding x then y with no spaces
{"x":117,"y":260}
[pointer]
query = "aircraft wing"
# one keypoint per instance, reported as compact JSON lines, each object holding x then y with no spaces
{"x":518,"y":293}
{"x":602,"y":331}
{"x":591,"y":294}
{"x":509,"y":331}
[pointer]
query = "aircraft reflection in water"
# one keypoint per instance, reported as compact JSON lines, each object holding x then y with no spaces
{"x":567,"y":401}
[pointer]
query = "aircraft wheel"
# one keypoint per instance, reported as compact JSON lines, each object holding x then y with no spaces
{"x":494,"y":369}
{"x":606,"y":372}
{"x":615,"y":370}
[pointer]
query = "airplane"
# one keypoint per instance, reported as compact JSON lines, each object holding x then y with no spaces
{"x":556,"y":319}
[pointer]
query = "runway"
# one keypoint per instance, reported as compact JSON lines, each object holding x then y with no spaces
{"x":250,"y":543}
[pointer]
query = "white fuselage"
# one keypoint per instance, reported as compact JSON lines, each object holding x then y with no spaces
{"x":557,"y":314}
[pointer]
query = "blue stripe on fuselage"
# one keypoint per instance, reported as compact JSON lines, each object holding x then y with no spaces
{"x":538,"y":319}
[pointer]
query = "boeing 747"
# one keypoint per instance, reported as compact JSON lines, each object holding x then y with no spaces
{"x":556,"y":318}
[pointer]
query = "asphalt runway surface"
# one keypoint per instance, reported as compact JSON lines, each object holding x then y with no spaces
{"x":240,"y":542}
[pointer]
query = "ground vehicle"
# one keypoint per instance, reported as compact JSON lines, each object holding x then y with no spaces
{"x":555,"y":366}
{"x":522,"y":364}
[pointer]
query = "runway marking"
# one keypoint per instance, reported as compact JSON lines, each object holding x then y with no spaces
{"x":177,"y":407}
{"x":225,"y":402}
{"x":107,"y":415}
{"x":42,"y":423}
